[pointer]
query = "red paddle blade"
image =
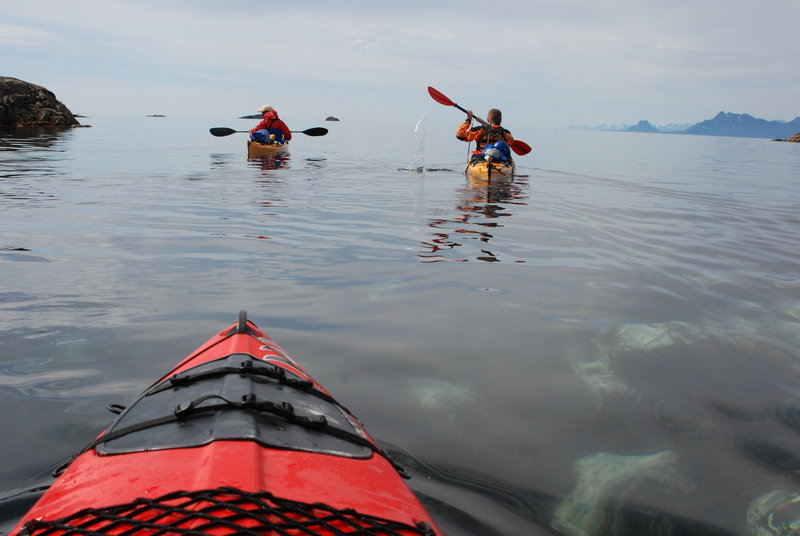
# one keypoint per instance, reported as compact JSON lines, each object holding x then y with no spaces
{"x":440,"y":97}
{"x":520,"y":147}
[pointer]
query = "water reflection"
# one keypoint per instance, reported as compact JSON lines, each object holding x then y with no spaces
{"x":33,"y":137}
{"x":481,"y":207}
{"x":30,"y":152}
{"x":316,"y":163}
{"x":222,"y":160}
{"x":271,"y":162}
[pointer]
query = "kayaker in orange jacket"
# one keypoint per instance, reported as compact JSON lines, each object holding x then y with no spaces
{"x":481,"y":134}
{"x":271,"y":125}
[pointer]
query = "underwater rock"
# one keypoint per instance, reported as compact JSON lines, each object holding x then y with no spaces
{"x":646,"y":337}
{"x":635,"y":340}
{"x":604,"y":478}
{"x":432,"y":393}
{"x":599,"y":372}
{"x":600,"y":376}
{"x":775,"y":513}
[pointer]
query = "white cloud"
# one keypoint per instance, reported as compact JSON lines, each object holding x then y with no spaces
{"x":23,"y":36}
{"x":551,"y":59}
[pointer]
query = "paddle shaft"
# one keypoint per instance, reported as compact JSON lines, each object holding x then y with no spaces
{"x":475,"y":117}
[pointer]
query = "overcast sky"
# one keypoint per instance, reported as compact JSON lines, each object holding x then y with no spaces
{"x":553,"y":63}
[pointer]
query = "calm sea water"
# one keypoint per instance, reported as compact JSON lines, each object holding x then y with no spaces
{"x":610,"y":344}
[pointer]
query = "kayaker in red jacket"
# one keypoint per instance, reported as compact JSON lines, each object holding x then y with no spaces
{"x":270,"y":125}
{"x":482,"y":135}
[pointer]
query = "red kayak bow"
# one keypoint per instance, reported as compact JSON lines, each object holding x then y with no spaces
{"x":237,"y":439}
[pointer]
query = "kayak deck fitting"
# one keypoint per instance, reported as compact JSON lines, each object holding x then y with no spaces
{"x":236,"y":440}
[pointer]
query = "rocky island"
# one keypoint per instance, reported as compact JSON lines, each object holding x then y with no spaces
{"x":744,"y":125}
{"x":23,"y":104}
{"x":722,"y":124}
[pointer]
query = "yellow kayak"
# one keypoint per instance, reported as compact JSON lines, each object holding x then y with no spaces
{"x":260,"y":150}
{"x":490,"y":170}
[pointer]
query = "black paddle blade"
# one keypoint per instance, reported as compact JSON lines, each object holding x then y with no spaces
{"x":315,"y":131}
{"x":223,"y":131}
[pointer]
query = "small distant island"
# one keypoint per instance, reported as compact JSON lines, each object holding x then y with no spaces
{"x":722,"y":124}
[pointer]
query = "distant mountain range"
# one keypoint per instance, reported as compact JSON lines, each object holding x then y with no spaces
{"x":723,"y":124}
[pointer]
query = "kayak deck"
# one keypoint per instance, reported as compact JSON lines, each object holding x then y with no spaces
{"x":242,"y":392}
{"x":222,"y":511}
{"x":490,"y":170}
{"x":236,"y":439}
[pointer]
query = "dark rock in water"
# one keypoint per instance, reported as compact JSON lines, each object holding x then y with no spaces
{"x":156,"y":115}
{"x":642,"y":126}
{"x":23,"y":104}
{"x":254,"y":116}
{"x":331,"y":118}
{"x":794,"y":138}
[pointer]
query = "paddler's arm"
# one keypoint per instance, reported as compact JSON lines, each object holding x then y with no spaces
{"x":287,"y":134}
{"x":464,"y":130}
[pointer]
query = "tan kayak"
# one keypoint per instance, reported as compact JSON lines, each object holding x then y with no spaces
{"x":260,"y":150}
{"x":490,"y":170}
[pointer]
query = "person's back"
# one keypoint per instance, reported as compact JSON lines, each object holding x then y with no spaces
{"x":487,"y":136}
{"x":271,"y":129}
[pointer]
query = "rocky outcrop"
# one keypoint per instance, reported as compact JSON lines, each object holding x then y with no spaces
{"x":794,"y":138}
{"x":23,"y":104}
